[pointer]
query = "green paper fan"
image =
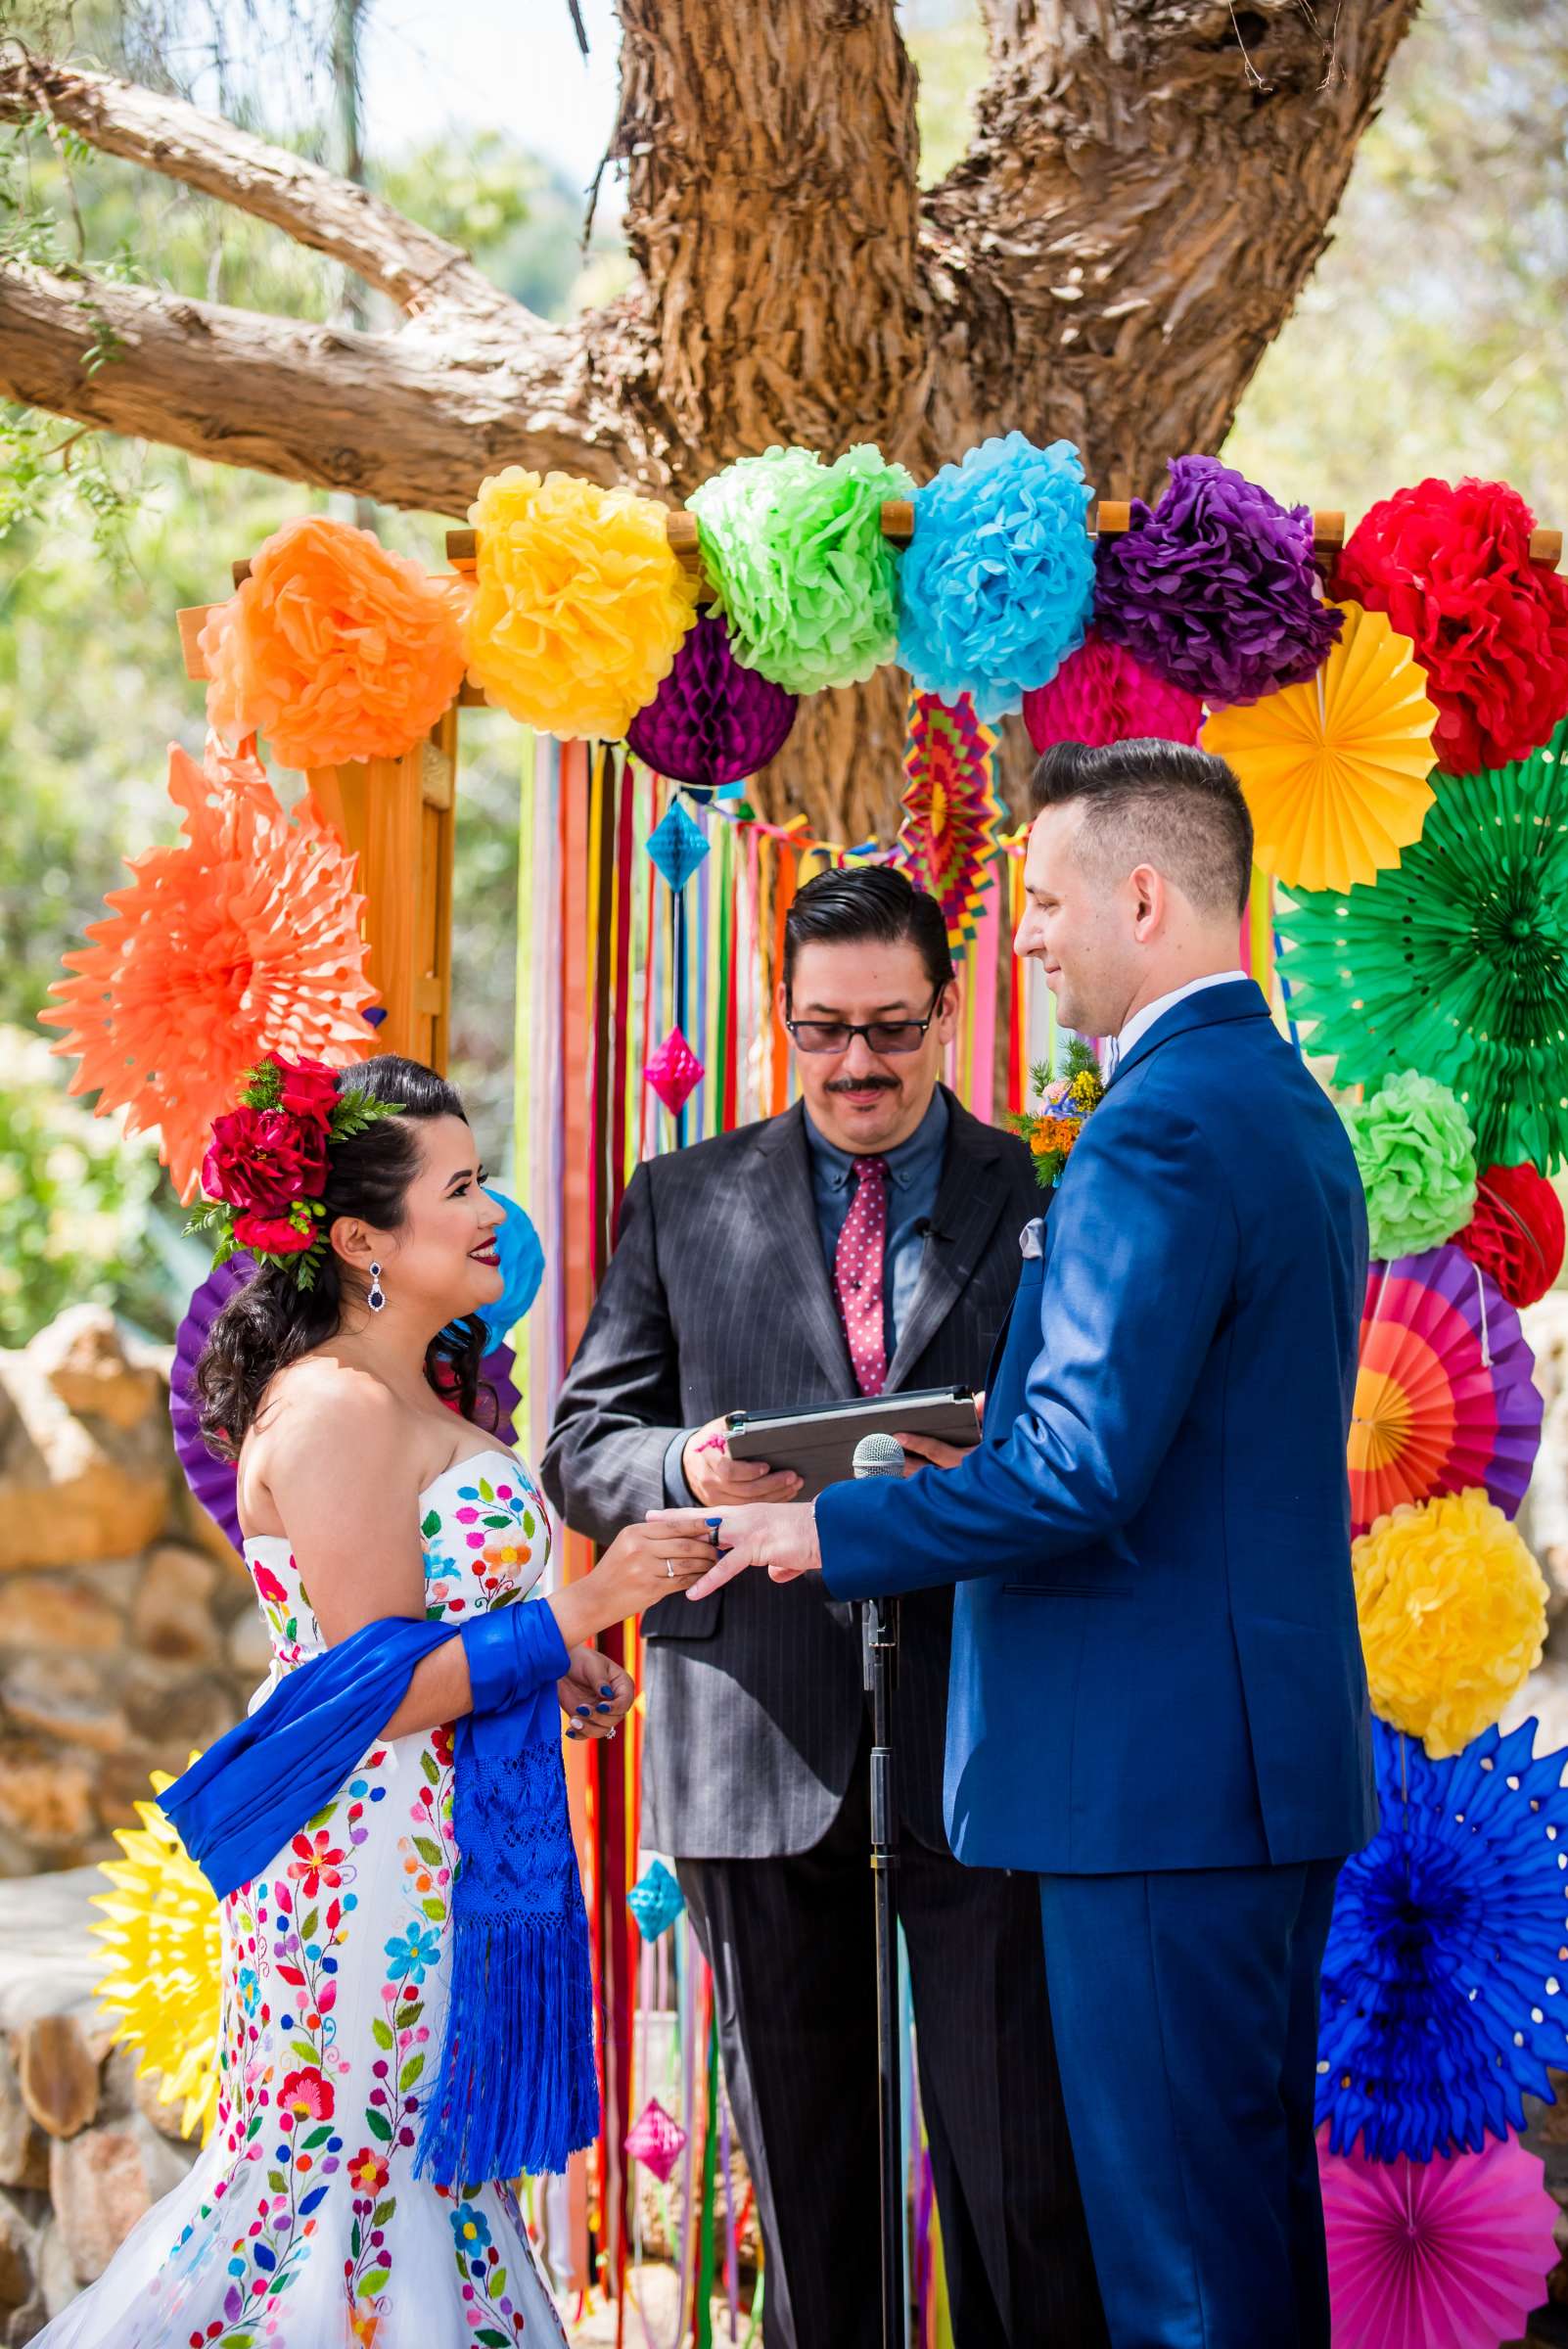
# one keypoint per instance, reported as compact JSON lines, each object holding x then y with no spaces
{"x":1456,"y":962}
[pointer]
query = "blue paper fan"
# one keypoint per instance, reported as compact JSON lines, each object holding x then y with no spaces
{"x":1443,"y":1998}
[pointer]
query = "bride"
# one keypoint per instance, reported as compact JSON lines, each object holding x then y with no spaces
{"x":384,"y":1535}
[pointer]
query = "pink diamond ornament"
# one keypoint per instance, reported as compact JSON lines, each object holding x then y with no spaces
{"x":674,"y":1072}
{"x":655,"y":2140}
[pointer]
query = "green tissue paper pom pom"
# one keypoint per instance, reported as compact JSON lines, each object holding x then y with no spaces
{"x":1415,"y":1150}
{"x":807,"y":582}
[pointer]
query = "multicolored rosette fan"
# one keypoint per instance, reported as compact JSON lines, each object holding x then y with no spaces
{"x":1445,"y":1397}
{"x":947,"y":841}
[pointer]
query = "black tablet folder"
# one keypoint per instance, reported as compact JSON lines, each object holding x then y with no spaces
{"x":818,"y":1441}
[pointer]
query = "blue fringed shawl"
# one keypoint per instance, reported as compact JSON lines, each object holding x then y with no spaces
{"x":518,"y":2089}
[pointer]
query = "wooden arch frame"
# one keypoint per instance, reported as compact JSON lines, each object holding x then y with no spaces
{"x":398,"y":816}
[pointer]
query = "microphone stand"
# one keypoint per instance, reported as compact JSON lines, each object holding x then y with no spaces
{"x":878,"y":1642}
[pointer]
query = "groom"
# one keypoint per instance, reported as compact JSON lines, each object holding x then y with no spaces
{"x":1157,"y":1702}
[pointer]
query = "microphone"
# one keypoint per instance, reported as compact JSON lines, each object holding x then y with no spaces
{"x":878,"y":1455}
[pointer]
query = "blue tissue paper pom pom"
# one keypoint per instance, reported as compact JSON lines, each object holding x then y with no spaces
{"x":996,"y":586}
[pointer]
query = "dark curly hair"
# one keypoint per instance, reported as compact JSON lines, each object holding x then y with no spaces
{"x":272,"y":1322}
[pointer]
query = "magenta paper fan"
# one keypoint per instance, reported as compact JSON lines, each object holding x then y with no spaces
{"x":1451,"y":2253}
{"x":1445,"y":1394}
{"x":211,"y":1481}
{"x":711,"y":722}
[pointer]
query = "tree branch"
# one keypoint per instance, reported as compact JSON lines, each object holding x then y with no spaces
{"x":1145,"y":194}
{"x":314,"y":207}
{"x":411,"y":419}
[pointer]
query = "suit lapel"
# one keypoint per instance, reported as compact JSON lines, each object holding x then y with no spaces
{"x":1210,"y":1007}
{"x":781,"y":1191}
{"x":970,"y":1199}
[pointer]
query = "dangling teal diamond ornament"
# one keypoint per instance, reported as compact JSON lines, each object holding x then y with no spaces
{"x":656,"y":1899}
{"x":677,"y":846}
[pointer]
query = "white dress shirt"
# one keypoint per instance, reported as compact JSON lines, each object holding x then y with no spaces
{"x":1142,"y":1021}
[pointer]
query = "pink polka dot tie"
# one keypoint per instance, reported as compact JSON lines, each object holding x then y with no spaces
{"x":858,"y":1274}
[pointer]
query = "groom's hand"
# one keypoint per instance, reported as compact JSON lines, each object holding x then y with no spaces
{"x":778,"y":1535}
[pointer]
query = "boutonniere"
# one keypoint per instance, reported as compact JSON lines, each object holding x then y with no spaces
{"x":1066,"y":1101}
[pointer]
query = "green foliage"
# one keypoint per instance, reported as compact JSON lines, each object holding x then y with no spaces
{"x":1429,"y":339}
{"x":82,"y":1217}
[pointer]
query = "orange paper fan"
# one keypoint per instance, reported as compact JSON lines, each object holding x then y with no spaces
{"x":242,"y":940}
{"x":1335,"y":770}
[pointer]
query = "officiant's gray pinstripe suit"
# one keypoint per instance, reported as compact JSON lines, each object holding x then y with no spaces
{"x":718,"y":1297}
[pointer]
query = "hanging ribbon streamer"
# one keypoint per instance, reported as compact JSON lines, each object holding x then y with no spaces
{"x":613,"y":958}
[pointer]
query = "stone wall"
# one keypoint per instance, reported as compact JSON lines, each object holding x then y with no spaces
{"x":128,"y":1635}
{"x":85,"y":2147}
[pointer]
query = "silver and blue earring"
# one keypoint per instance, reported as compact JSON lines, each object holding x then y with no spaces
{"x":378,"y":1295}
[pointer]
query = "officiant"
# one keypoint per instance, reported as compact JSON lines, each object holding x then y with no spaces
{"x":865,"y":1241}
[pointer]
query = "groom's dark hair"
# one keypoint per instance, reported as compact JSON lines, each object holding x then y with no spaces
{"x":1164,"y":804}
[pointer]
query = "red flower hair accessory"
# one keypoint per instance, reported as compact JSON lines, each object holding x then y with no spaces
{"x":1452,"y":568}
{"x":266,"y":1167}
{"x":1516,"y":1233}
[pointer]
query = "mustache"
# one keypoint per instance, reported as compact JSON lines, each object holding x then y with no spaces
{"x":863,"y":1084}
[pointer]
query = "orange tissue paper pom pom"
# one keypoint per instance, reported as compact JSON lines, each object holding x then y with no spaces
{"x":335,"y":649}
{"x":242,"y":939}
{"x":579,"y":606}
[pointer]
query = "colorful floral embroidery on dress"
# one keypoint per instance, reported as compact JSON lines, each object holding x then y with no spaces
{"x":302,"y":2223}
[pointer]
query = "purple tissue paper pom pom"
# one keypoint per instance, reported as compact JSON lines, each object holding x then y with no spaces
{"x":1213,"y":588}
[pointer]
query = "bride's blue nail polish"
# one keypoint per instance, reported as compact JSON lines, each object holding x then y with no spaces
{"x":606,"y":1688}
{"x":584,"y":1708}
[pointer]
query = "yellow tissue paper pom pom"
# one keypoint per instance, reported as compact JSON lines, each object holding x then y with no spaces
{"x":1453,"y":1616}
{"x":579,"y":606}
{"x":163,"y":1966}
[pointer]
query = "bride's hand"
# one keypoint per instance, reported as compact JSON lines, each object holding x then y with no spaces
{"x":596,"y":1694}
{"x":642,"y":1565}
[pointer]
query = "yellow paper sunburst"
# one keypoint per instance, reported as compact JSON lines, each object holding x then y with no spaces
{"x":1335,"y":771}
{"x":164,"y":1975}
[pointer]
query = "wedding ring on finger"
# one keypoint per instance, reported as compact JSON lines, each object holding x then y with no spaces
{"x":670,"y":1568}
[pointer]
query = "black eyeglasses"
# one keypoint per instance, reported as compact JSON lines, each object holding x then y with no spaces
{"x":881,"y":1035}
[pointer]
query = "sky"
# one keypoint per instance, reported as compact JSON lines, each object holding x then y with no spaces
{"x":420,"y":81}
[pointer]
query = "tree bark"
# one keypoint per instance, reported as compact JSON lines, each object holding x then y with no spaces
{"x":1150,"y":184}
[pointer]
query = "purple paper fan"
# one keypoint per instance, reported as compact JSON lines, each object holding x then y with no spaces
{"x":212,"y":1481}
{"x":711,"y":722}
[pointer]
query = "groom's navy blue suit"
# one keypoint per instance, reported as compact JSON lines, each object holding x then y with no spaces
{"x":1157,"y":1699}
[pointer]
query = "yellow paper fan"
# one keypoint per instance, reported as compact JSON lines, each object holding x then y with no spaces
{"x":164,"y":1975}
{"x":1335,"y":770}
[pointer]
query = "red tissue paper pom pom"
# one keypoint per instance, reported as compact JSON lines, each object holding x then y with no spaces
{"x":1516,"y":1233}
{"x":1452,"y":568}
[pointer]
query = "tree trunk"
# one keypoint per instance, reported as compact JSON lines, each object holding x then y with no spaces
{"x":1150,"y":184}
